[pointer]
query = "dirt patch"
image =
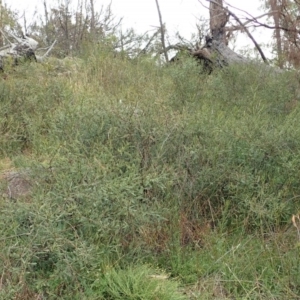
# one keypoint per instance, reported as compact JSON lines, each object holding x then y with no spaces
{"x":15,"y":184}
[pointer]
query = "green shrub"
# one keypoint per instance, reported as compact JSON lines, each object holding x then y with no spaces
{"x":129,"y":162}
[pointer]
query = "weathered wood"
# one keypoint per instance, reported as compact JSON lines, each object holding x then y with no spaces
{"x":215,"y":53}
{"x":223,"y":55}
{"x":21,"y":48}
{"x":219,"y":17}
{"x":218,"y":20}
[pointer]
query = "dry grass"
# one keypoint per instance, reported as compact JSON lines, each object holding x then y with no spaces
{"x":193,"y":231}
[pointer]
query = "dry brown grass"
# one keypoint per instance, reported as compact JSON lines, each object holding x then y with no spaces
{"x":156,"y":236}
{"x":210,"y":288}
{"x":192,"y":231}
{"x":26,"y":294}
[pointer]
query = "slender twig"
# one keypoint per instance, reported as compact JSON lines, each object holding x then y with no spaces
{"x":254,"y":19}
{"x":149,"y":42}
{"x":41,"y":58}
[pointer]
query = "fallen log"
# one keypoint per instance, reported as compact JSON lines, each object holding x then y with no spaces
{"x":21,"y":49}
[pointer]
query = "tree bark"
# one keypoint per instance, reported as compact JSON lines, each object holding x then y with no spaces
{"x":275,"y":10}
{"x":218,"y":20}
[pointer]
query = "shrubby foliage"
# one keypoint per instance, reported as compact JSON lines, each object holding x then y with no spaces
{"x":135,"y":164}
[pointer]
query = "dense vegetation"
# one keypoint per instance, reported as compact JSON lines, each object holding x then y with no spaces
{"x":149,"y":182}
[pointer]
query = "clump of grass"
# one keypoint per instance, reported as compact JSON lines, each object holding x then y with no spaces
{"x":138,"y":282}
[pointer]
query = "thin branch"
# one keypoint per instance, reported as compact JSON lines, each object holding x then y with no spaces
{"x":203,"y":4}
{"x":41,"y":58}
{"x":144,"y":50}
{"x":162,"y":30}
{"x":178,"y":47}
{"x":241,"y":10}
{"x":50,"y":48}
{"x":275,"y":27}
{"x":254,"y":19}
{"x":6,"y":38}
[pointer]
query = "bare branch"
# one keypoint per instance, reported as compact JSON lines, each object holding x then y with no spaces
{"x":162,"y":30}
{"x":253,"y":19}
{"x":144,"y":50}
{"x":41,"y":58}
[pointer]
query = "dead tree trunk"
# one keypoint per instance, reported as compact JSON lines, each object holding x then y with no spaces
{"x":218,"y":20}
{"x":215,"y":53}
{"x":216,"y":48}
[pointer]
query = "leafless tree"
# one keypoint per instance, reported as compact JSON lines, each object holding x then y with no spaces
{"x":73,"y":25}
